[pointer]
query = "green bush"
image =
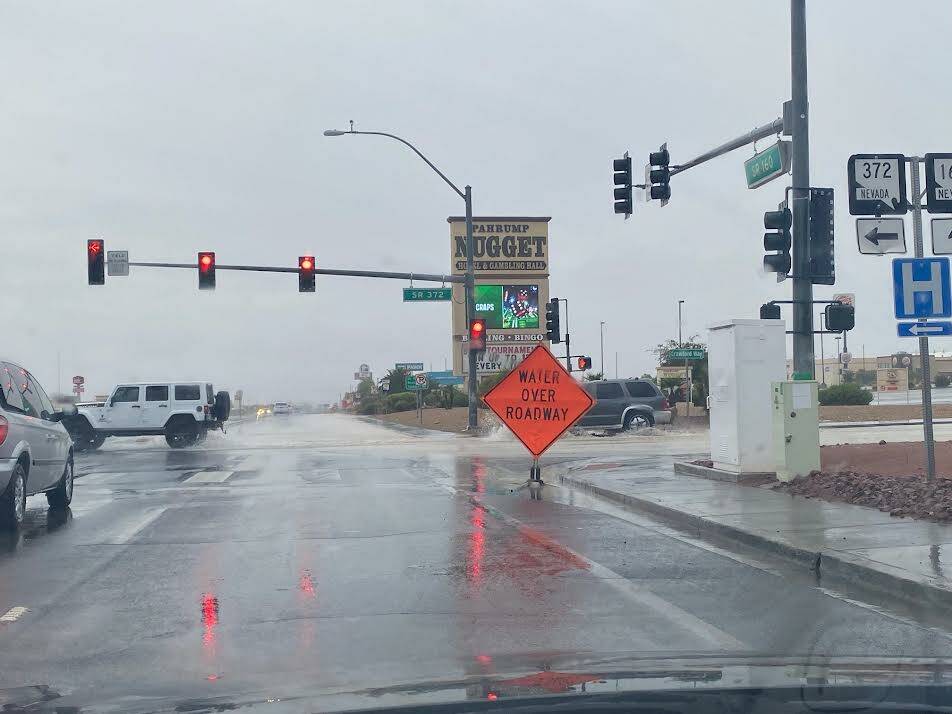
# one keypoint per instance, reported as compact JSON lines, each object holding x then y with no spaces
{"x":840,"y":394}
{"x":401,"y":402}
{"x":369,"y":405}
{"x":943,"y":380}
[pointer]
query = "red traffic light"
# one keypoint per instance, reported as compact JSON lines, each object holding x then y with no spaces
{"x":206,"y":270}
{"x":477,"y":334}
{"x":306,"y":281}
{"x":96,"y":261}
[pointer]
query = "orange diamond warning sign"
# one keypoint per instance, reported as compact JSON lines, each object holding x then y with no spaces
{"x":538,"y":400}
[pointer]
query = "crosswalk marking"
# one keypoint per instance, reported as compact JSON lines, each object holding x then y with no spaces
{"x":209,"y":477}
{"x":13,"y":614}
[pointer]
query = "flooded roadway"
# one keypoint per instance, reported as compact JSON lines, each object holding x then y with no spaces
{"x":333,"y":555}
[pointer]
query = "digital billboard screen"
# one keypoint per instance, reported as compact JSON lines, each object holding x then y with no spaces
{"x":508,"y":307}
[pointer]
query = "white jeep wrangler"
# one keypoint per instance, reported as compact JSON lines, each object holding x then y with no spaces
{"x":182,"y":412}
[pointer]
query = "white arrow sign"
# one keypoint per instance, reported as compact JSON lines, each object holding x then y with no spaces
{"x":925,"y":329}
{"x":942,"y":236}
{"x":877,"y":236}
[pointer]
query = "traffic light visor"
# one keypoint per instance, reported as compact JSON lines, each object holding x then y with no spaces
{"x":659,"y":158}
{"x":778,"y":220}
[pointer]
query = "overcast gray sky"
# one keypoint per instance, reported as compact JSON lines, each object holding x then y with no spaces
{"x":171,"y":127}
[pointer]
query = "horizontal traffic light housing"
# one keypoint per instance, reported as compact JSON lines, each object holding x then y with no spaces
{"x":840,"y":317}
{"x":584,"y":363}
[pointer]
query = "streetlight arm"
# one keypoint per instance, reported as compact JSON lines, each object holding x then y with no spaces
{"x":418,"y":153}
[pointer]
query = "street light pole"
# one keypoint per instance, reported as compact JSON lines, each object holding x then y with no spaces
{"x":601,"y":338}
{"x":467,"y":196}
{"x":680,"y":303}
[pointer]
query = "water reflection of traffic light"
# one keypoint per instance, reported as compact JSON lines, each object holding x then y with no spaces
{"x":209,"y":620}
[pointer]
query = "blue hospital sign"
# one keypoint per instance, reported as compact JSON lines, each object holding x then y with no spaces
{"x":921,"y":287}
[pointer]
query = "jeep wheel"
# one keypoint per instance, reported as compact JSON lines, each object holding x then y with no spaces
{"x":637,"y":420}
{"x":181,"y":433}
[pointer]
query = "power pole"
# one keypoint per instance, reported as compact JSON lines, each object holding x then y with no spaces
{"x":803,"y":356}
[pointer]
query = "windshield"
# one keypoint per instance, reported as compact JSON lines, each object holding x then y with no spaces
{"x":612,"y":337}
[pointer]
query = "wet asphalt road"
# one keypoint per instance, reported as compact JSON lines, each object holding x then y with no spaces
{"x":331,"y":554}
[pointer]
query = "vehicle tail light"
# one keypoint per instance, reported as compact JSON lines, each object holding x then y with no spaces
{"x":206,"y":409}
{"x":664,"y":404}
{"x":4,"y":429}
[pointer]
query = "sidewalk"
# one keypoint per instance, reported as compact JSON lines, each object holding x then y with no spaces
{"x":899,"y":556}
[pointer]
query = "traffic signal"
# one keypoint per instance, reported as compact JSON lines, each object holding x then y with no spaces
{"x":477,"y":334}
{"x":96,"y":261}
{"x":584,"y":363}
{"x":552,"y":331}
{"x":822,"y":270}
{"x":840,"y":317}
{"x":306,"y":282}
{"x":622,"y":185}
{"x":770,"y":311}
{"x":659,"y":175}
{"x":778,"y":239}
{"x":206,"y":270}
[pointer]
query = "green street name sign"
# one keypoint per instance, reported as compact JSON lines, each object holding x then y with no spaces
{"x":768,"y":165}
{"x":427,"y":294}
{"x":686,"y":353}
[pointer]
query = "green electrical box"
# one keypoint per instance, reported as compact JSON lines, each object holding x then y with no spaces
{"x":796,"y":429}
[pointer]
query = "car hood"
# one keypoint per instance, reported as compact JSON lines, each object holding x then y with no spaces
{"x":492,"y":682}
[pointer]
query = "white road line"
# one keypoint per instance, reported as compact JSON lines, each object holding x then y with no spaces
{"x":678,"y":617}
{"x":126,"y":532}
{"x":13,"y":614}
{"x":209,"y":477}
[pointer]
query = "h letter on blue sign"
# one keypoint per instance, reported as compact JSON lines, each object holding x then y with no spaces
{"x":921,"y":287}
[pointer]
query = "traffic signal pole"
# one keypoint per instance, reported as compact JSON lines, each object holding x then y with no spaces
{"x":469,"y":284}
{"x":803,"y":357}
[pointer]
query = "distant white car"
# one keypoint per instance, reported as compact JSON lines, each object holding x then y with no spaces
{"x":281,"y":408}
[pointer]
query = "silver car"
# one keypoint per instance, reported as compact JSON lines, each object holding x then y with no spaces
{"x":36,"y":453}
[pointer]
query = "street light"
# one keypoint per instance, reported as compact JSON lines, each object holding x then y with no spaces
{"x":680,"y":303}
{"x":601,"y":330}
{"x":467,"y":196}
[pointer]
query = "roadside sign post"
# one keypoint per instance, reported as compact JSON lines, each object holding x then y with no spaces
{"x":538,"y":401}
{"x":925,"y":366}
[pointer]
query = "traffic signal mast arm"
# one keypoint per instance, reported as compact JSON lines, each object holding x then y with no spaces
{"x":425,"y":277}
{"x":762,"y":132}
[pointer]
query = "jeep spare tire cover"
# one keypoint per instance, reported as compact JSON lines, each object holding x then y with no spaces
{"x":222,"y":409}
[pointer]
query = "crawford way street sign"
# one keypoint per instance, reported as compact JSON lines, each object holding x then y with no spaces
{"x":685,"y":353}
{"x":538,"y":400}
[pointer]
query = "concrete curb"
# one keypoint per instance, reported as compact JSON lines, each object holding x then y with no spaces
{"x":689,"y":469}
{"x":882,"y":578}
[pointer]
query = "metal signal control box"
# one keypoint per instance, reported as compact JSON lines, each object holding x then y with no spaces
{"x":796,"y":429}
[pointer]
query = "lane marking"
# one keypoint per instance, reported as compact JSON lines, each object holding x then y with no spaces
{"x":209,"y":477}
{"x":124,"y":534}
{"x":13,"y":614}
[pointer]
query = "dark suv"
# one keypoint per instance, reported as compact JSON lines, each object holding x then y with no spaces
{"x":625,"y":404}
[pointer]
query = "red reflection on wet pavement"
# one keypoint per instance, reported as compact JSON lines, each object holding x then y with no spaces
{"x":477,"y":545}
{"x":306,"y":583}
{"x":209,"y":620}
